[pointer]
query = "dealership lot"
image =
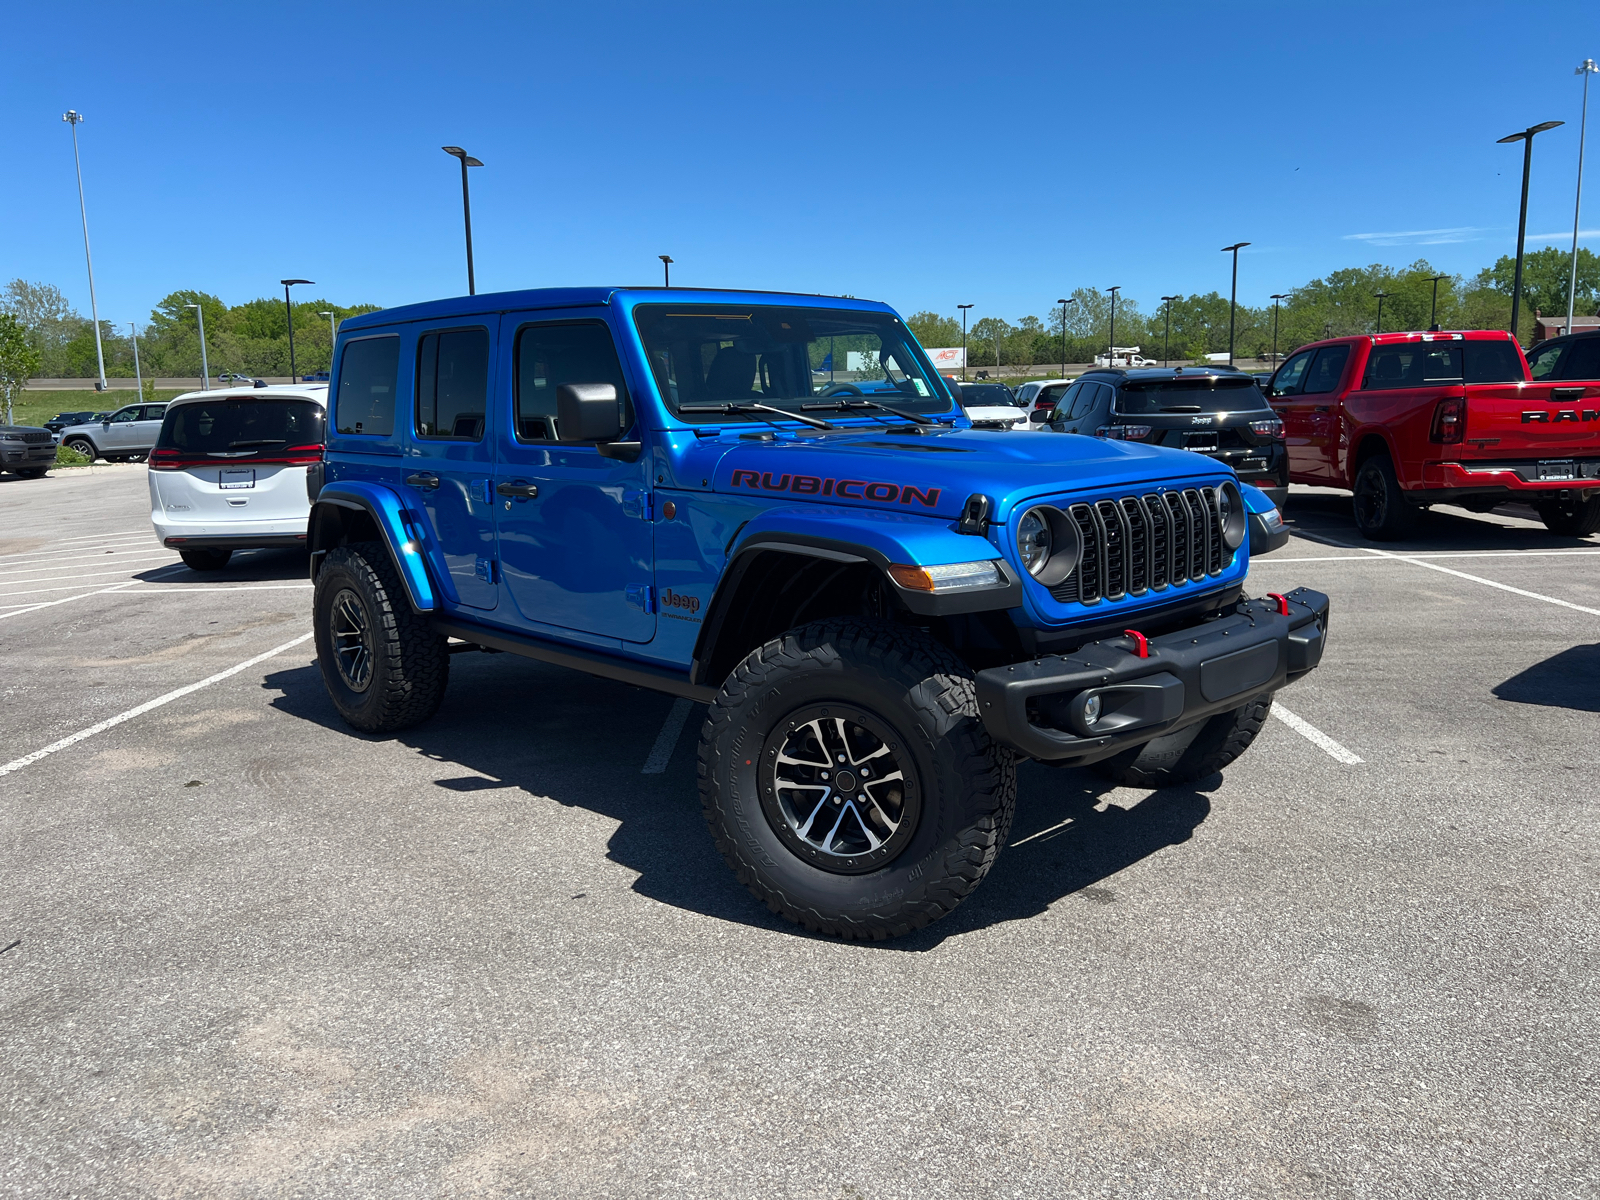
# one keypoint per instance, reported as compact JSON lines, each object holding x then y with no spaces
{"x":251,"y":953}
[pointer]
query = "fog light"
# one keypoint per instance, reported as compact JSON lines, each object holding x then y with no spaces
{"x":1091,"y":710}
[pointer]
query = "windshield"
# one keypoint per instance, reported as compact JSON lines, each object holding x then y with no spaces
{"x":986,"y":395}
{"x":221,"y":426}
{"x":783,"y":357}
{"x":1217,"y":393}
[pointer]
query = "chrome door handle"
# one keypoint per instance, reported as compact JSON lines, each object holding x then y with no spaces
{"x":521,"y":489}
{"x":423,"y":479}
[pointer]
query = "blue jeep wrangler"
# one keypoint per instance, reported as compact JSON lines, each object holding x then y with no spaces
{"x":884,"y":609}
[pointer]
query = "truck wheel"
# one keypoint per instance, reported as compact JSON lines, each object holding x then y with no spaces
{"x":83,"y":446}
{"x":205,"y":560}
{"x":1189,"y":754}
{"x":849,"y":781}
{"x":1572,"y":518}
{"x":1381,"y":511}
{"x":384,"y":667}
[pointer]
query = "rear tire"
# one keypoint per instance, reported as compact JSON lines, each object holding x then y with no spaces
{"x":83,"y":446}
{"x":1380,"y":507}
{"x":384,"y":666}
{"x":34,"y":473}
{"x":1572,"y":518}
{"x":849,"y":782}
{"x":1190,"y":754}
{"x":205,"y":560}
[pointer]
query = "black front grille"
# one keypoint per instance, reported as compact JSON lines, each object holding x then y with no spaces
{"x":42,"y":435}
{"x":1139,"y":544}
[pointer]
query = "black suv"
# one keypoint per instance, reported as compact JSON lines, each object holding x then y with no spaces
{"x":1572,"y":356}
{"x":1213,"y":411}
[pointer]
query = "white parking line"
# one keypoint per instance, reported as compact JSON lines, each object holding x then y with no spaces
{"x":18,"y":612}
{"x":109,"y":533}
{"x":1271,"y":562}
{"x":667,"y":739}
{"x":183,"y":589}
{"x":1314,"y":735}
{"x":61,"y":578}
{"x":176,"y":694}
{"x":45,"y":560}
{"x":1504,"y":587}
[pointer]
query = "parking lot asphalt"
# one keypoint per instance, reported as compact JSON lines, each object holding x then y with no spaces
{"x":250,"y":953}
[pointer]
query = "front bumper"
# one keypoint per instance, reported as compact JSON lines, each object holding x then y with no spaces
{"x":1037,"y":708}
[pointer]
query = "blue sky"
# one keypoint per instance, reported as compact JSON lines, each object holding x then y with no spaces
{"x":923,"y":154}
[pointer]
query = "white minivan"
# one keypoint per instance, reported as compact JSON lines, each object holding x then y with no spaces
{"x":228,"y":471}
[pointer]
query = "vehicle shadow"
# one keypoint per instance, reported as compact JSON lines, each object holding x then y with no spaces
{"x":246,"y":566}
{"x":581,"y":741}
{"x":1570,"y":679}
{"x":1325,"y":517}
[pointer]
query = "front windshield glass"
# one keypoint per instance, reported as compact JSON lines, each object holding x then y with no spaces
{"x":986,"y":395}
{"x":716,"y":354}
{"x":1202,"y":394}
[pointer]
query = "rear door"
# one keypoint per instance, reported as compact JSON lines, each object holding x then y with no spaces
{"x":576,"y":540}
{"x":451,"y":470}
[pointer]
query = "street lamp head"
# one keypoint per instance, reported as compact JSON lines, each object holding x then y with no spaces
{"x":73,"y":117}
{"x":458,"y":152}
{"x":1527,"y":134}
{"x":1114,"y":290}
{"x":1280,"y":296}
{"x":1063,"y":302}
{"x":963,"y":306}
{"x":1235,"y":246}
{"x":1168,"y":299}
{"x":191,"y":306}
{"x":666,"y":258}
{"x":292,"y":282}
{"x":1588,"y":65}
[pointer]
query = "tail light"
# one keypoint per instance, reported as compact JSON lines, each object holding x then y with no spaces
{"x":1045,"y":404}
{"x":166,"y":458}
{"x":1267,"y":429}
{"x":1449,"y":420}
{"x":1124,"y":433}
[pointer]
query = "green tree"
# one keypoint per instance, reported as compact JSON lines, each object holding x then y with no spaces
{"x":935,"y":331}
{"x":1546,"y":275}
{"x":19,"y":359}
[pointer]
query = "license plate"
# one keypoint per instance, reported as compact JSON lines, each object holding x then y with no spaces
{"x":237,"y":477}
{"x":1557,"y":470}
{"x":1199,"y":441}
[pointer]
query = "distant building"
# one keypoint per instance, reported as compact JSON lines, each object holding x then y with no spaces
{"x":1556,"y":325}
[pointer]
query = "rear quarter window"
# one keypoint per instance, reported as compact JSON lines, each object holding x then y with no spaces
{"x":368,"y":371}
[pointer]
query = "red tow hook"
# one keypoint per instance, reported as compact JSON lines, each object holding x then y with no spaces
{"x":1283,"y":603}
{"x":1142,"y":642}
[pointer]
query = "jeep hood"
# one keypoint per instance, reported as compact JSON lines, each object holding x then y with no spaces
{"x":933,"y":474}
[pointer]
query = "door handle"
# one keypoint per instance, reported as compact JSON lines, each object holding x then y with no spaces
{"x":424,"y":480}
{"x":519,"y":488}
{"x":1321,"y":408}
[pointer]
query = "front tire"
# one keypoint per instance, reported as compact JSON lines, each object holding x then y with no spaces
{"x":384,"y":666}
{"x":1380,"y":507}
{"x":82,"y":446}
{"x":1190,"y":754}
{"x":205,"y":560}
{"x":849,"y":782}
{"x":1572,"y":518}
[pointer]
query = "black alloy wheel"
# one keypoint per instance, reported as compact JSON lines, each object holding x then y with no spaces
{"x":1572,"y":518}
{"x":1380,"y":509}
{"x":82,"y":446}
{"x":351,"y":630}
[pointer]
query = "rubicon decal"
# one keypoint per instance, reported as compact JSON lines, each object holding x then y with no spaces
{"x":847,"y":489}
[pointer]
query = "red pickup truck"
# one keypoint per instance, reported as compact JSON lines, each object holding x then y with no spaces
{"x":1405,"y":420}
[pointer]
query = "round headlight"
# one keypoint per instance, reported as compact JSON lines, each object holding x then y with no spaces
{"x":1049,"y":544}
{"x":1231,"y":512}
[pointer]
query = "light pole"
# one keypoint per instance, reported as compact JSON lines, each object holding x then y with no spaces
{"x":1275,"y":298}
{"x":1433,"y":309}
{"x":999,"y":325}
{"x":74,"y":118}
{"x":138,"y":376}
{"x":1382,"y":296}
{"x":1526,"y":138}
{"x":666,"y":269}
{"x":1064,"y":304}
{"x":1233,"y":294}
{"x":333,"y":336}
{"x":205,"y":370}
{"x":1587,"y":69}
{"x":1111,"y":352}
{"x":1166,"y":335}
{"x":963,"y":308}
{"x":466,"y":208}
{"x":289,"y":309}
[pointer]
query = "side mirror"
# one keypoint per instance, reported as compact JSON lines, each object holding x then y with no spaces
{"x":588,"y":412}
{"x":106,"y":423}
{"x":1039,"y":416}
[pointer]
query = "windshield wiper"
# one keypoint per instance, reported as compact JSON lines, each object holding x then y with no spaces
{"x":750,"y":406}
{"x":843,"y":405}
{"x":258,"y":442}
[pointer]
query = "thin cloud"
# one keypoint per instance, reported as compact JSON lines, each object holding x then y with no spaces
{"x":1419,"y":237}
{"x":1566,"y":235}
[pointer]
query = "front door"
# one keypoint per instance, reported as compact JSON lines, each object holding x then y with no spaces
{"x":1295,"y":412}
{"x":1319,"y":394}
{"x":576,"y":543}
{"x":451,"y":465}
{"x":120,"y":433}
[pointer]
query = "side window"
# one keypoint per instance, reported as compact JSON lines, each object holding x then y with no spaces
{"x":452,"y":384}
{"x":1491,"y":362}
{"x":1064,"y":402}
{"x":1543,"y":364}
{"x":367,"y":372}
{"x":1583,"y":360}
{"x":1292,"y":374}
{"x":1394,"y":367}
{"x":551,"y":355}
{"x":122,"y":416}
{"x":1094,"y":396}
{"x":1326,"y":370}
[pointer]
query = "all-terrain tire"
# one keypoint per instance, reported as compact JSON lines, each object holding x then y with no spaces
{"x":384,"y":666}
{"x":83,"y":446}
{"x":1381,"y":511}
{"x":920,"y":699}
{"x":205,"y":560}
{"x":1192,"y":753}
{"x":1572,"y":518}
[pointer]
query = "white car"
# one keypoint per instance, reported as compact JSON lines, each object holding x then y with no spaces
{"x":991,"y":406}
{"x":228,"y":471}
{"x":1040,"y":397}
